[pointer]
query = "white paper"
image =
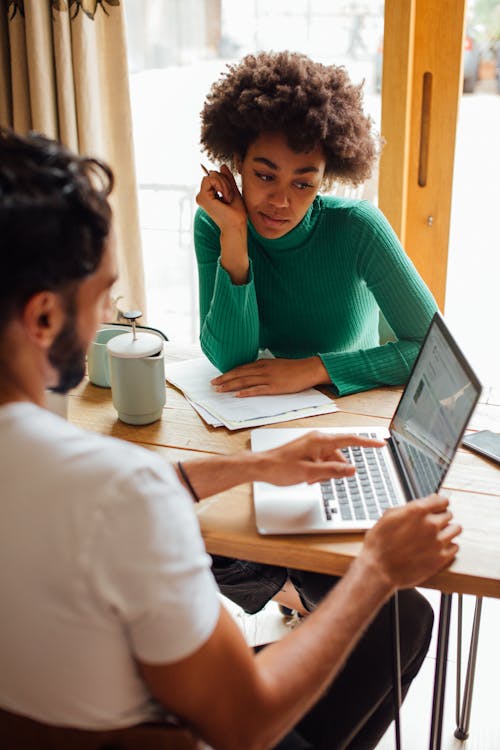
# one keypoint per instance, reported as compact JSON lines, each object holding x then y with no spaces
{"x":229,"y":406}
{"x":286,"y":417}
{"x":204,"y":414}
{"x":193,"y":378}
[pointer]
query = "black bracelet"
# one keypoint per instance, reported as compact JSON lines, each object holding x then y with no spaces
{"x":188,"y":483}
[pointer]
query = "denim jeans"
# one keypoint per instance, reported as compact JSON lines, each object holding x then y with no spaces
{"x":249,"y":584}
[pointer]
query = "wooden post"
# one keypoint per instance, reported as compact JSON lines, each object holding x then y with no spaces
{"x":399,"y":31}
{"x":421,"y":89}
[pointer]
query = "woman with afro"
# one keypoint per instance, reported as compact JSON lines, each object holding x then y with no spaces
{"x":284,"y":267}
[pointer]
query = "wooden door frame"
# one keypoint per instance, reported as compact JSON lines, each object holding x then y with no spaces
{"x":421,"y":89}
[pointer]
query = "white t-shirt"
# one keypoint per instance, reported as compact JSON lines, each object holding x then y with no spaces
{"x":101,"y":561}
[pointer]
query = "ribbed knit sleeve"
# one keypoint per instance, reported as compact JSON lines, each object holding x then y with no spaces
{"x":229,"y":317}
{"x":401,"y":295}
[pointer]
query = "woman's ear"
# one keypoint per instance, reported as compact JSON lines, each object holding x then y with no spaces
{"x":238,"y":163}
{"x":43,"y":317}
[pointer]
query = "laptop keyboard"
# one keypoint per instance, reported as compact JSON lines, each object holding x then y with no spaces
{"x":364,"y":496}
{"x":426,"y":469}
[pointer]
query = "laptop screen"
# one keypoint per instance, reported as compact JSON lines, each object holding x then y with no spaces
{"x":434,"y":410}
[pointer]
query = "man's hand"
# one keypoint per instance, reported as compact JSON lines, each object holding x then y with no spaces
{"x":312,"y":458}
{"x":266,"y":377}
{"x":412,"y":543}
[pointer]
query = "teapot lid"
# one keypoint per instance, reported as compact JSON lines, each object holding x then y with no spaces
{"x":130,"y":347}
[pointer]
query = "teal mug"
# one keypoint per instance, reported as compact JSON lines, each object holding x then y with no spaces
{"x":98,"y":367}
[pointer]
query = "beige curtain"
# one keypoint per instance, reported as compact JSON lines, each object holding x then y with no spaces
{"x":63,"y":72}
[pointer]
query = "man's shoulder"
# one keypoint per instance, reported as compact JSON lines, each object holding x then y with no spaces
{"x":34,"y":435}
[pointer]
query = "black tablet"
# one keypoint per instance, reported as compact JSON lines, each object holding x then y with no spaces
{"x":485,"y":442}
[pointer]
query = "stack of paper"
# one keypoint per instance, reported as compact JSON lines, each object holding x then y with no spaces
{"x":193,"y":378}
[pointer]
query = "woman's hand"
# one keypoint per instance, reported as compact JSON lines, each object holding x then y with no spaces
{"x":315,"y":457}
{"x":220,"y":198}
{"x":266,"y":377}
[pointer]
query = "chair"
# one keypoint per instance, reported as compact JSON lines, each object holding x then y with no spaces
{"x":21,"y":732}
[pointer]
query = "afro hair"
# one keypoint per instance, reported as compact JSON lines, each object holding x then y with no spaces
{"x":287,"y":92}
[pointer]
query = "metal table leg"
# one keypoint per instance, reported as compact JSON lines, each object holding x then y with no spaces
{"x":463,"y":714}
{"x":440,"y":672}
{"x":396,"y":668}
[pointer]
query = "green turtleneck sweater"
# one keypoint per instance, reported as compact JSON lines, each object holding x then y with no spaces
{"x":317,"y":291}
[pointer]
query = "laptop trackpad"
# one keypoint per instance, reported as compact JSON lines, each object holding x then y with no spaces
{"x":291,"y":513}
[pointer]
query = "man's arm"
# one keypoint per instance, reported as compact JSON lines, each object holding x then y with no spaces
{"x":312,"y":458}
{"x":234,"y":699}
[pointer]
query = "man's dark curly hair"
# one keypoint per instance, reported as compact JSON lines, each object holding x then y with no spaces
{"x":54,"y":217}
{"x":287,"y":92}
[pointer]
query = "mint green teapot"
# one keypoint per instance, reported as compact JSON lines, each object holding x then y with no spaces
{"x":137,"y":368}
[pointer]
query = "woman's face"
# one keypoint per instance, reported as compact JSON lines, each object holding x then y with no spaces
{"x":279,"y":184}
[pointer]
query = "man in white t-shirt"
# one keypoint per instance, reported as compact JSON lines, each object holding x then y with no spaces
{"x":110,"y":615}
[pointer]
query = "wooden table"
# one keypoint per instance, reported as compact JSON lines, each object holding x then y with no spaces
{"x":227,"y":520}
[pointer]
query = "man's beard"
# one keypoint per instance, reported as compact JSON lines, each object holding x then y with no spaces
{"x":66,"y":355}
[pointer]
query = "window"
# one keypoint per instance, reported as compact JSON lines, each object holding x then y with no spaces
{"x":177,"y":48}
{"x":473,"y":260}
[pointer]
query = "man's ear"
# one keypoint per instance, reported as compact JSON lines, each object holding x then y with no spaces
{"x":43,"y":317}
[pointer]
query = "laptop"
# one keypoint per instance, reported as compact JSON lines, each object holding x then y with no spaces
{"x":421,"y":442}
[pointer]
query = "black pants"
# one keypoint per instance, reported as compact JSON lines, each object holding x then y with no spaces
{"x":357,"y":708}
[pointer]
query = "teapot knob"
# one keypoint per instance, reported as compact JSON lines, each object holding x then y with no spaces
{"x":132,"y":315}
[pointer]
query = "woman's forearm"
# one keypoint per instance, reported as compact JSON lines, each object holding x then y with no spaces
{"x":361,"y":370}
{"x":234,"y":253}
